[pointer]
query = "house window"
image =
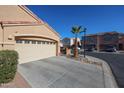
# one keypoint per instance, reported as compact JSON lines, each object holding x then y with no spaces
{"x":47,"y":42}
{"x":27,"y":41}
{"x":38,"y":42}
{"x":54,"y":43}
{"x":108,"y":37}
{"x":19,"y":41}
{"x":33,"y":42}
{"x":91,"y":40}
{"x":43,"y":42}
{"x":51,"y":43}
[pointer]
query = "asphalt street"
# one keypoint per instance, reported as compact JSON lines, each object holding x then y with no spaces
{"x":116,"y":62}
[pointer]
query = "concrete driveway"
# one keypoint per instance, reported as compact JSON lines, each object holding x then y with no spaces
{"x":61,"y":72}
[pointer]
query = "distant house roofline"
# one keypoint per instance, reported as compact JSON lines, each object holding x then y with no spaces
{"x":103,"y":33}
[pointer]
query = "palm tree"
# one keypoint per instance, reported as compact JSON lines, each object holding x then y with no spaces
{"x":77,"y":30}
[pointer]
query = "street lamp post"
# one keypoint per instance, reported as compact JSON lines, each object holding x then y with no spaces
{"x":84,"y":42}
{"x":98,"y":43}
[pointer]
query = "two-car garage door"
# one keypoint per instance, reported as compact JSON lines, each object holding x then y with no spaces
{"x":30,"y":50}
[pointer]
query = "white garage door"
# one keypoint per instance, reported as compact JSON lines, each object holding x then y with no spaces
{"x":30,"y":50}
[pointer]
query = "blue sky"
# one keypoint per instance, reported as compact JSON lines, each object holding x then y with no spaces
{"x":94,"y":18}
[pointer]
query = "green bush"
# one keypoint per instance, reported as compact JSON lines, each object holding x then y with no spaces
{"x":8,"y":65}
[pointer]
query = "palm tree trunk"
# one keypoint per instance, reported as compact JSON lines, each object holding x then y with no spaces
{"x":75,"y":48}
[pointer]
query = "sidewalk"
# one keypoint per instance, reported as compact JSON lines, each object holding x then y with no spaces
{"x":18,"y":82}
{"x":121,"y":51}
{"x":108,"y":77}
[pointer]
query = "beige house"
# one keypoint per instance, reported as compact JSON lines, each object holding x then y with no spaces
{"x":23,"y":31}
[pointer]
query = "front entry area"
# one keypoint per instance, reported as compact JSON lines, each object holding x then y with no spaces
{"x":31,"y":50}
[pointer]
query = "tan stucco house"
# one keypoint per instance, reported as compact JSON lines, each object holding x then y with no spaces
{"x":23,"y":31}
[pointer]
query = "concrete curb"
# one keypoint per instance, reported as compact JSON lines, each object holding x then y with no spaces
{"x":109,"y":79}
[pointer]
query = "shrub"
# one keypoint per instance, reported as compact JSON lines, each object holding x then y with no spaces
{"x":8,"y":65}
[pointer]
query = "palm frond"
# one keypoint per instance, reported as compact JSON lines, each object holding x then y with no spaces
{"x":85,"y":29}
{"x":73,"y":30}
{"x":78,"y":29}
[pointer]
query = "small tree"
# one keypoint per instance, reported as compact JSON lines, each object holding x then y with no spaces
{"x":76,"y":30}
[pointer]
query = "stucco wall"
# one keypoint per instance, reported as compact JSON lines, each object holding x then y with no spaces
{"x":0,"y":34}
{"x":40,"y":30}
{"x":0,"y":38}
{"x":30,"y":30}
{"x":14,"y":13}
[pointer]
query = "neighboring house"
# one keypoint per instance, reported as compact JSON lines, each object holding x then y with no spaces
{"x":61,"y":44}
{"x":68,"y":42}
{"x":105,"y":40}
{"x":23,"y":31}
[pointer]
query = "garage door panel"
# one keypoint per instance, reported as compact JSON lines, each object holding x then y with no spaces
{"x":31,"y":52}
